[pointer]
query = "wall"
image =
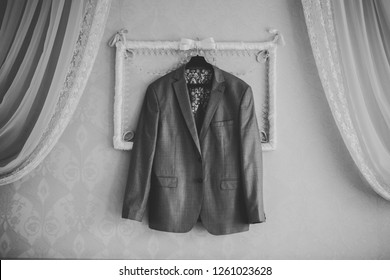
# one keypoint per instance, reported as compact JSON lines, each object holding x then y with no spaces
{"x":317,"y":205}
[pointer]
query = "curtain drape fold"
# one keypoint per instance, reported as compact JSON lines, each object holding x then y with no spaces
{"x":351,"y":45}
{"x":46,"y":53}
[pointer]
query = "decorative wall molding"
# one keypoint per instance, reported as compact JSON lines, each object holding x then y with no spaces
{"x":138,"y":63}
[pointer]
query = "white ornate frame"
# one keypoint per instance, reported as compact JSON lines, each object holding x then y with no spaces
{"x":266,"y":53}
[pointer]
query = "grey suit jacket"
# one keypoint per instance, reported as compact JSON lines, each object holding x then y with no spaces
{"x":216,"y":175}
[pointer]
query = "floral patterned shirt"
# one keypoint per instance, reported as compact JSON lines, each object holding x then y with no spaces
{"x":199,"y":88}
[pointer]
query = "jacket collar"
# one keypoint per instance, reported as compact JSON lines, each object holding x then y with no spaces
{"x":217,"y":89}
{"x":218,"y":76}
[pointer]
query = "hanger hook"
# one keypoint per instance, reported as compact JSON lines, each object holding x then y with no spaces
{"x":197,"y":46}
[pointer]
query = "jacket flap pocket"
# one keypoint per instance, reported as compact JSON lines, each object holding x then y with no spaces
{"x":168,"y":182}
{"x":229,"y":184}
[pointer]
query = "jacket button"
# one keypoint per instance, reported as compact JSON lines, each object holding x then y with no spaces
{"x":199,"y":180}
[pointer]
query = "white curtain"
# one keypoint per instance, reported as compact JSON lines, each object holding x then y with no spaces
{"x":350,"y":40}
{"x":47,"y":49}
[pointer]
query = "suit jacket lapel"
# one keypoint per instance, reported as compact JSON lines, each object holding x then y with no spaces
{"x":181,"y":92}
{"x":216,"y":94}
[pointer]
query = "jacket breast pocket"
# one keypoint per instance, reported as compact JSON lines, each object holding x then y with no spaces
{"x":222,"y":123}
{"x":228,"y":147}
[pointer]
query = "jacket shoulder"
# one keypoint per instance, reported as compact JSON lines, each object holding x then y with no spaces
{"x":235,"y":83}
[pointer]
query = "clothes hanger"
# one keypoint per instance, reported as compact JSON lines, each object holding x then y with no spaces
{"x":198,"y":61}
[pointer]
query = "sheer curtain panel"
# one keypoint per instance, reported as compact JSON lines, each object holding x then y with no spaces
{"x":47,"y":49}
{"x":351,"y":45}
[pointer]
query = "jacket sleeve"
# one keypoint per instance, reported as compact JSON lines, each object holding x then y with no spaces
{"x":251,"y":159}
{"x":141,"y":161}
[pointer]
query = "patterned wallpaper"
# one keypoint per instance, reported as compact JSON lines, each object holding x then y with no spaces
{"x":317,"y":206}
